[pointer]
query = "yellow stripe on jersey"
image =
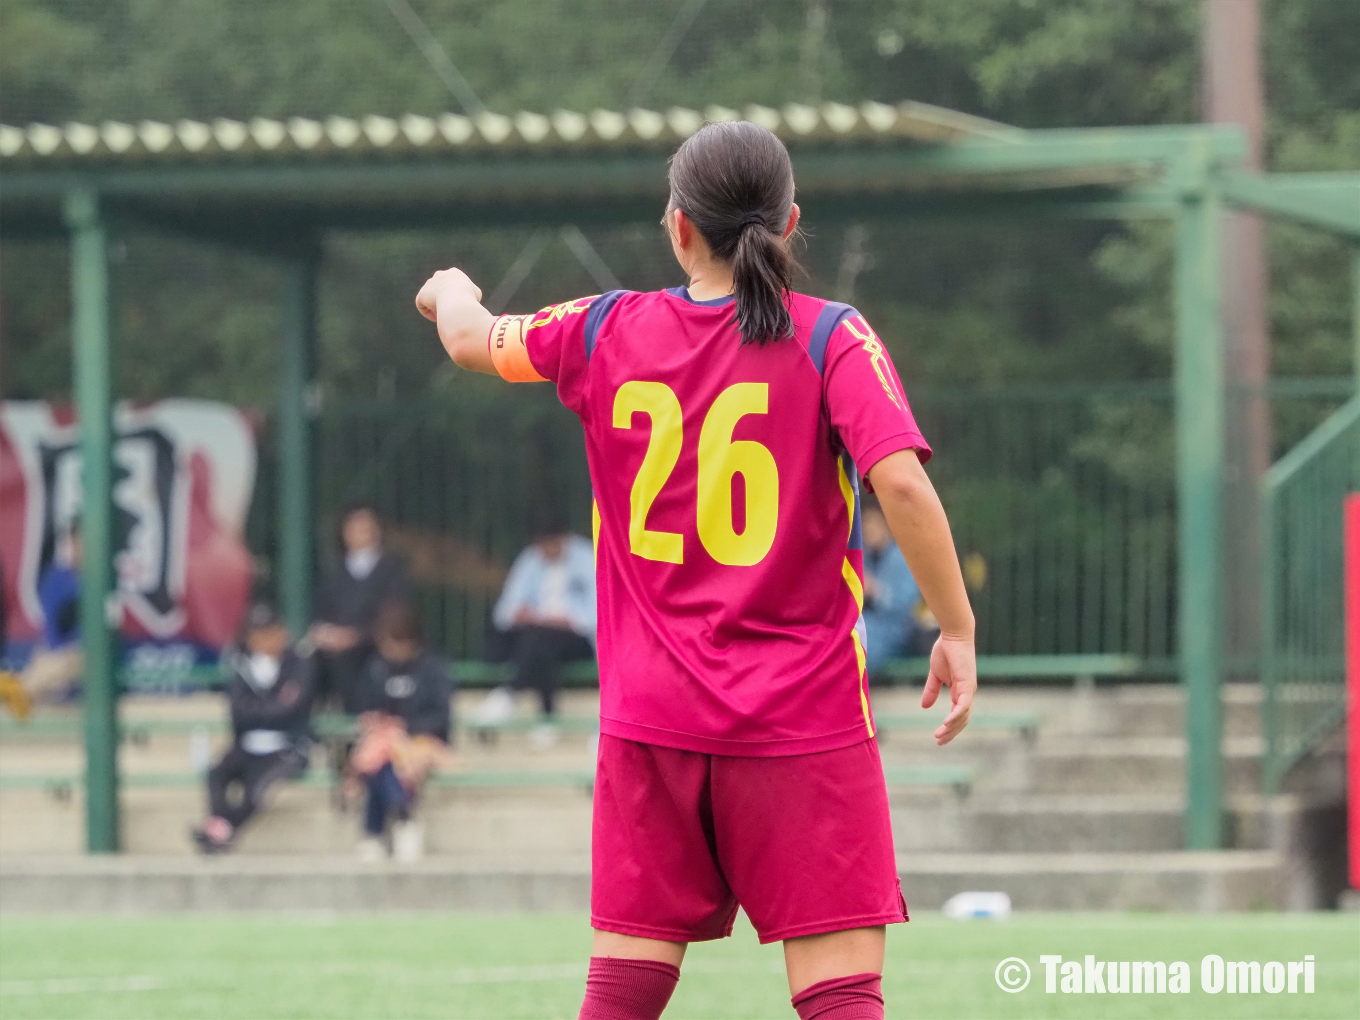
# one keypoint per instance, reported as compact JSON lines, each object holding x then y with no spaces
{"x":848,"y":491}
{"x":556,"y":313}
{"x":852,"y":579}
{"x":595,"y":528}
{"x":863,"y":698}
{"x":878,"y":357}
{"x":847,"y":568}
{"x":856,"y":589}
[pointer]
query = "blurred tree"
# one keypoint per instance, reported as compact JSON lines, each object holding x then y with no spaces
{"x":959,"y":302}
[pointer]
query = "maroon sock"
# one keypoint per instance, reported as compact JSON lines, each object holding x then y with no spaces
{"x":627,"y":989}
{"x":857,"y":997}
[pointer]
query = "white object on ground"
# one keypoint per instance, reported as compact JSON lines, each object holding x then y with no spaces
{"x":408,"y":841}
{"x":967,"y":906}
{"x":371,"y":850}
{"x":496,"y":709}
{"x":200,"y":750}
{"x":543,"y":736}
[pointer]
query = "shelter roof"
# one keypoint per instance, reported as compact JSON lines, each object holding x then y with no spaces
{"x":275,"y":184}
{"x":263,"y":138}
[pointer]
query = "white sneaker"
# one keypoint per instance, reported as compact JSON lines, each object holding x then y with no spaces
{"x":496,"y":709}
{"x":543,"y":736}
{"x":408,"y":842}
{"x":371,"y":850}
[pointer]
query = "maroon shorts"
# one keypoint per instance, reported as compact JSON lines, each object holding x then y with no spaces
{"x":803,"y":843}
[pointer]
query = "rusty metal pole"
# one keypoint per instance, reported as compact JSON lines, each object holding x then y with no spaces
{"x":1232,"y":93}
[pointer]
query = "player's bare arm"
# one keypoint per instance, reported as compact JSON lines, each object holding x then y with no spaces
{"x":454,"y":304}
{"x":919,"y":525}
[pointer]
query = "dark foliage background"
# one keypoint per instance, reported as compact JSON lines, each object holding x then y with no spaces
{"x":959,"y":302}
{"x":1033,"y":350}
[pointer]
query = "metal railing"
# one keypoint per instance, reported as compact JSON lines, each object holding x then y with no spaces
{"x":1062,"y":500}
{"x":1303,"y":659}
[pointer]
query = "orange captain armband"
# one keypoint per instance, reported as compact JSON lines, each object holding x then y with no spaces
{"x":509,"y":354}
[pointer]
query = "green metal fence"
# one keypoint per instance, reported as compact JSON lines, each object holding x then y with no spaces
{"x":458,"y":479}
{"x":460,"y":482}
{"x":1304,"y":612}
{"x":1062,"y":503}
{"x":1062,"y":500}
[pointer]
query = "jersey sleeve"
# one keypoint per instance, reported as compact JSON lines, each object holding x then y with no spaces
{"x":553,"y":344}
{"x":864,"y":397}
{"x":549,"y":345}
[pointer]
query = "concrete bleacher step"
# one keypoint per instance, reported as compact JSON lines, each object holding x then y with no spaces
{"x":156,"y":884}
{"x":1146,"y":710}
{"x":1135,"y":765}
{"x":1063,"y":798}
{"x":551,"y":823}
{"x":1034,"y":824}
{"x":1177,"y":880}
{"x":1123,"y":709}
{"x":303,"y":821}
{"x":1074,"y":823}
{"x":537,"y":812}
{"x":1229,"y":880}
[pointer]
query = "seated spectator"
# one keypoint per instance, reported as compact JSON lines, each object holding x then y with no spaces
{"x":58,"y":662}
{"x":891,"y":597}
{"x":546,"y":616}
{"x":366,"y":578}
{"x":271,"y":690}
{"x":403,"y":732}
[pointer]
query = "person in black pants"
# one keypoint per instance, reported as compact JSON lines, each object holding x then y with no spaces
{"x":271,"y":691}
{"x":366,"y":578}
{"x":545,"y":618}
{"x":404,"y":731}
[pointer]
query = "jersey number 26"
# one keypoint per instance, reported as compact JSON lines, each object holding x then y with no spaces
{"x":720,"y":458}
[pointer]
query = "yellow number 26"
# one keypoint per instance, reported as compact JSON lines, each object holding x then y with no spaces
{"x":720,"y":459}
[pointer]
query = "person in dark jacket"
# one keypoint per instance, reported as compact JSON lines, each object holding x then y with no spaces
{"x":404,"y":731}
{"x":366,"y":578}
{"x":271,"y":691}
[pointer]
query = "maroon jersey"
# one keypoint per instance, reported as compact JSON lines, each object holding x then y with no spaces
{"x":726,"y":478}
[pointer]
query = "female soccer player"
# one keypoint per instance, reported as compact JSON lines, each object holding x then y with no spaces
{"x":727,"y":425}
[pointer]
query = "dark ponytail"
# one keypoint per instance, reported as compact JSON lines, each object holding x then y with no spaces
{"x":734,"y":181}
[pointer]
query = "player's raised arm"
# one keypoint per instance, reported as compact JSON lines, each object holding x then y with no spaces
{"x":918,"y":522}
{"x":454,"y":304}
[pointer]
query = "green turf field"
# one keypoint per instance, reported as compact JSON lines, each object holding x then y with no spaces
{"x":466,"y":966}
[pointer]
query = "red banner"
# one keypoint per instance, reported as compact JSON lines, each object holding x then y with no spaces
{"x":1353,"y":679}
{"x":184,"y":471}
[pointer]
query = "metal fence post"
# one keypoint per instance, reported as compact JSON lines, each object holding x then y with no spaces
{"x":92,"y":385}
{"x":1270,"y":609}
{"x":294,"y":437}
{"x":1199,"y":389}
{"x":1355,"y":308}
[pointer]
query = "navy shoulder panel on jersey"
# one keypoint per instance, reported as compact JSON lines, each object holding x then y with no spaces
{"x":833,"y":313}
{"x":597,"y":313}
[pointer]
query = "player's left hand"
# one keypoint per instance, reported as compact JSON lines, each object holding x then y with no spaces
{"x":953,"y":664}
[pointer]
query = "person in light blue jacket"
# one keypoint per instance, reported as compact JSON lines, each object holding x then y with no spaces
{"x":891,"y":596}
{"x":546,"y":613}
